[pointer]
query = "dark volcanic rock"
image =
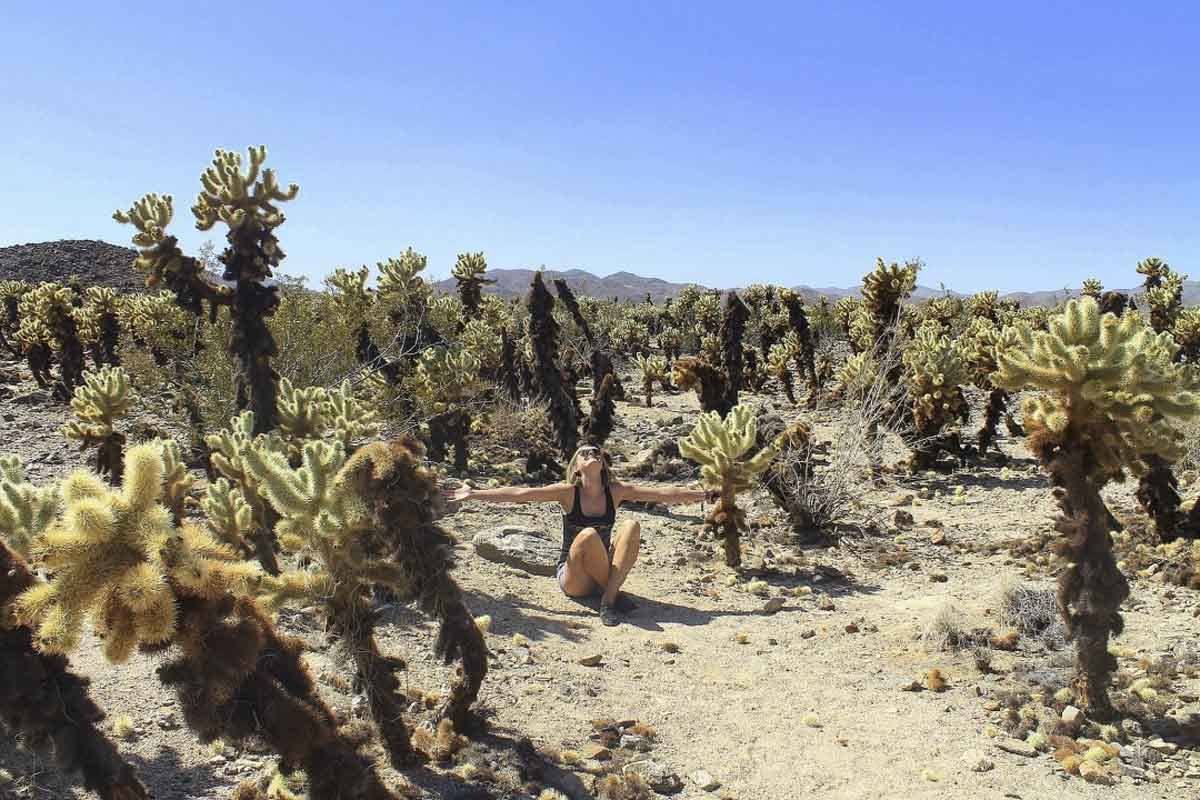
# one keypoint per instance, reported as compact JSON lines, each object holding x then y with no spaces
{"x":96,"y":263}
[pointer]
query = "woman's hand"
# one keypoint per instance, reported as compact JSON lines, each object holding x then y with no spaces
{"x":457,"y":495}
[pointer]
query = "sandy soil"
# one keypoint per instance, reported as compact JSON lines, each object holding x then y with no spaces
{"x":732,"y":700}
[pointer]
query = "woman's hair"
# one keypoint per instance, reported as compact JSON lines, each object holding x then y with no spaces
{"x":573,"y":465}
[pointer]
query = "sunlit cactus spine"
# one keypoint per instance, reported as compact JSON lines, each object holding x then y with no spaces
{"x":1093,"y":288}
{"x":301,"y":415}
{"x":884,"y":288}
{"x":26,"y":511}
{"x":720,"y":447}
{"x":246,"y":202}
{"x":46,"y":706}
{"x":1109,"y":392}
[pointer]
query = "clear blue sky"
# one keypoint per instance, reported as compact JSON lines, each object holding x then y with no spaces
{"x":1022,"y":146}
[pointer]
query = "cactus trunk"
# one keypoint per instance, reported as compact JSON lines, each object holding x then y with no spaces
{"x":1091,"y":588}
{"x":236,"y":676}
{"x":253,"y":346}
{"x":1158,"y":494}
{"x":648,"y":388}
{"x":996,"y":405}
{"x":45,"y":703}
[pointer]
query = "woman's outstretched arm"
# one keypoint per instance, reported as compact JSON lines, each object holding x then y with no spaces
{"x":555,"y":492}
{"x":667,"y":495}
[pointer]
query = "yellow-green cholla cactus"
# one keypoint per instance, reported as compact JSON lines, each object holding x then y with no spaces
{"x":49,"y":325}
{"x":25,"y":510}
{"x":983,"y":341}
{"x":117,"y":557}
{"x":446,"y":381}
{"x":779,"y":363}
{"x":99,"y":325}
{"x":468,"y":273}
{"x":651,"y":368}
{"x":934,"y":370}
{"x":720,"y":447}
{"x":1108,"y":394}
{"x":104,"y":397}
{"x":1093,"y":288}
{"x":229,"y":447}
{"x":883,"y":290}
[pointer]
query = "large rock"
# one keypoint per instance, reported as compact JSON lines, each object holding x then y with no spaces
{"x":526,"y":548}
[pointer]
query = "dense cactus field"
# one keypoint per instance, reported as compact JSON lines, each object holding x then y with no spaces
{"x":952,"y":547}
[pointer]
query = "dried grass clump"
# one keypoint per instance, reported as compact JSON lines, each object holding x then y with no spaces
{"x":1033,"y":613}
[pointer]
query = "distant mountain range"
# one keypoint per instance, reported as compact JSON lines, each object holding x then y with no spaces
{"x":103,"y":264}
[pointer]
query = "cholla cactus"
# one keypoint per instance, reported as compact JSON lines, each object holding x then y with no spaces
{"x":1165,"y":300}
{"x":857,"y":375}
{"x":468,"y":273}
{"x":99,"y":325}
{"x":804,"y":351}
{"x":779,"y":363}
{"x":301,"y":415}
{"x":844,"y":312}
{"x":402,"y":290}
{"x":229,"y":447}
{"x":446,"y":381}
{"x":651,"y":369}
{"x":1155,"y":270}
{"x":883,"y":290}
{"x":11,"y":293}
{"x":485,"y":343}
{"x":1093,"y":288}
{"x":720,"y":447}
{"x":670,"y":340}
{"x":733,"y":326}
{"x":366,"y":523}
{"x":103,"y":398}
{"x":600,"y":421}
{"x":118,"y":558}
{"x":46,"y":705}
{"x":355,"y":302}
{"x":1109,"y":392}
{"x":445,"y":314}
{"x":49,"y":323}
{"x":691,"y":372}
{"x":983,"y":342}
{"x":985,"y":305}
{"x":934,"y":370}
{"x":549,"y":382}
{"x":246,"y":203}
{"x":26,"y":511}
{"x":1186,"y":331}
{"x":158,"y":323}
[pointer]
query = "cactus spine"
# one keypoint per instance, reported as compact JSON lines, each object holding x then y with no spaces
{"x":102,"y":399}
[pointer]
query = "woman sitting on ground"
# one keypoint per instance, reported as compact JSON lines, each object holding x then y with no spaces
{"x":597,"y":552}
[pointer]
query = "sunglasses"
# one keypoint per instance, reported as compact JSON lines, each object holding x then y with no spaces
{"x":589,"y":451}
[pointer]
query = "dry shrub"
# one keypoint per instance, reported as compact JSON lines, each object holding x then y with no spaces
{"x":867,"y":426}
{"x":1033,"y":613}
{"x":517,"y":426}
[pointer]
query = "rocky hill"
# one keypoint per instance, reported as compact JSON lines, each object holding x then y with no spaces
{"x":96,"y":263}
{"x":622,"y":285}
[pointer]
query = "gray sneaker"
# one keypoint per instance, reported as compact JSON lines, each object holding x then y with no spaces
{"x":608,"y":615}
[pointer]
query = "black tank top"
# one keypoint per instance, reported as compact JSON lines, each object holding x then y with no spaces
{"x":575,"y":520}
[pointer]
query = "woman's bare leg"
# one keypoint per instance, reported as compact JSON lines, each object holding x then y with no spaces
{"x":587,"y":565}
{"x":626,"y":541}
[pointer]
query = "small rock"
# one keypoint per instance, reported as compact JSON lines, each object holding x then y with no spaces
{"x":938,"y":577}
{"x":976,"y":761}
{"x":1072,"y":716}
{"x":903,"y":500}
{"x":852,"y":628}
{"x":631,"y":741}
{"x":938,"y":537}
{"x":660,"y":778}
{"x":808,"y":634}
{"x":168,"y":721}
{"x":597,"y":752}
{"x":592,"y":661}
{"x":903,"y":519}
{"x":1132,"y":728}
{"x":825,"y":603}
{"x":1166,"y":748}
{"x":704,"y":781}
{"x":1017,"y":748}
{"x":773,"y":606}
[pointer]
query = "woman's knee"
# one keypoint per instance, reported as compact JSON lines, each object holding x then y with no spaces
{"x":586,"y":540}
{"x":629,"y":531}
